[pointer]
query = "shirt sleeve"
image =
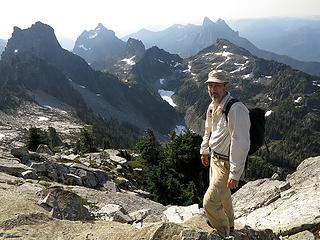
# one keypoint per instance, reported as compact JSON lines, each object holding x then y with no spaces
{"x":239,"y":126}
{"x":204,"y":149}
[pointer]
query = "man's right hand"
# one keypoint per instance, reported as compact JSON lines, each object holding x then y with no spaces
{"x":205,"y":160}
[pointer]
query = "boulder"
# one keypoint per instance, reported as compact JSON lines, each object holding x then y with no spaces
{"x":111,"y":187}
{"x":285,"y":207}
{"x":180,"y":214}
{"x":13,"y":167}
{"x":22,"y":154}
{"x":64,"y":204}
{"x":305,"y":235}
{"x":72,"y":179}
{"x":256,"y":194}
{"x":113,"y":212}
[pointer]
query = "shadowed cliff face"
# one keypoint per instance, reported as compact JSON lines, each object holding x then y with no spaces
{"x":34,"y":60}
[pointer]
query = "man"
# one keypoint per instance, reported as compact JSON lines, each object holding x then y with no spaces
{"x":227,"y":143}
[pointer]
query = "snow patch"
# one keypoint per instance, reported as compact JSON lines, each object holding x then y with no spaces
{"x":166,"y":95}
{"x":246,"y":76}
{"x":1,"y":136}
{"x":225,"y":47}
{"x":161,"y":81}
{"x":159,"y":60}
{"x":315,"y":83}
{"x":82,"y":86}
{"x":245,"y":57}
{"x":268,"y":113}
{"x":83,"y":47}
{"x":43,"y":119}
{"x":269,"y":77}
{"x":98,"y":94}
{"x":224,"y":54}
{"x":298,"y":100}
{"x":16,"y":50}
{"x":93,"y":35}
{"x":177,"y":64}
{"x":129,"y":61}
{"x":189,"y":68}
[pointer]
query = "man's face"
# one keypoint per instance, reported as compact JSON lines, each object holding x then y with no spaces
{"x":217,"y":91}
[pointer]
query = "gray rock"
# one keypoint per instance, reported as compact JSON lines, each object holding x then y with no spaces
{"x":36,"y":157}
{"x":22,"y":154}
{"x":180,"y":214}
{"x":139,"y":215}
{"x":39,"y":167}
{"x":70,"y":158}
{"x":295,"y":210}
{"x":113,"y":212}
{"x":307,"y":173}
{"x":111,"y":187}
{"x":71,"y":179}
{"x":256,"y":194}
{"x":29,"y":174}
{"x":13,"y":167}
{"x":42,"y":148}
{"x":275,"y":176}
{"x":64,"y":205}
{"x":305,"y":235}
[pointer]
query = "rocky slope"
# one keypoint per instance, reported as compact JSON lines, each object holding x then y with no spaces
{"x":95,"y":196}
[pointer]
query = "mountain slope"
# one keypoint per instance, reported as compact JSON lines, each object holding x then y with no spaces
{"x":102,"y":92}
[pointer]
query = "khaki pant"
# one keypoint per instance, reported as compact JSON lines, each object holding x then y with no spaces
{"x":217,"y":201}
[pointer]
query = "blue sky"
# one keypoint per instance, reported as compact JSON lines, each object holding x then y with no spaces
{"x":70,"y":17}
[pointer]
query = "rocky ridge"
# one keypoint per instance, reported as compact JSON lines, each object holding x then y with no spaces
{"x":94,"y":196}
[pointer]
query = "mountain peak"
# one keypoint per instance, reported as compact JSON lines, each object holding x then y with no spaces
{"x":38,"y":39}
{"x":207,"y":22}
{"x":100,"y":26}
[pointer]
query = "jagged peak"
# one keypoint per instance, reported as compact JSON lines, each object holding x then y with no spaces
{"x":100,"y":26}
{"x":207,"y":21}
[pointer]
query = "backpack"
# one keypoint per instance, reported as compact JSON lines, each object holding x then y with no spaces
{"x":257,"y":129}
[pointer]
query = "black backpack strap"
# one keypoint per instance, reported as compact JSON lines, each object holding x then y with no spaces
{"x":227,"y":108}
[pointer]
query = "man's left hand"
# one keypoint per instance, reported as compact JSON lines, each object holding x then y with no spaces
{"x":232,"y":184}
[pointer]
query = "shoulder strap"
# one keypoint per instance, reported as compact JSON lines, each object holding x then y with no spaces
{"x":227,"y":108}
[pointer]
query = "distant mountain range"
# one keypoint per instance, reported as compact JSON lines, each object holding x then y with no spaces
{"x":294,"y":37}
{"x":190,"y":39}
{"x":35,"y":62}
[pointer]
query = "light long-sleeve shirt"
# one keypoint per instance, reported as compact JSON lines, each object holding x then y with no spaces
{"x":230,"y":138}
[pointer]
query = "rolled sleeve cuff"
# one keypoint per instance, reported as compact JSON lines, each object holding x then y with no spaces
{"x":204,"y":151}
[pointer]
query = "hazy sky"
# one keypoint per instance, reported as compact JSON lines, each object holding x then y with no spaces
{"x":70,"y":17}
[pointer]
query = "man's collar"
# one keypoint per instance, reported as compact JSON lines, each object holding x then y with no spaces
{"x":225,"y":100}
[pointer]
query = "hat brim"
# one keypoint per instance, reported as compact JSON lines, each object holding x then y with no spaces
{"x":212,"y":79}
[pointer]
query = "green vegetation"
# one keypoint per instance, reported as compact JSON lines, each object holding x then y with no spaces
{"x":36,"y":136}
{"x":174,"y":174}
